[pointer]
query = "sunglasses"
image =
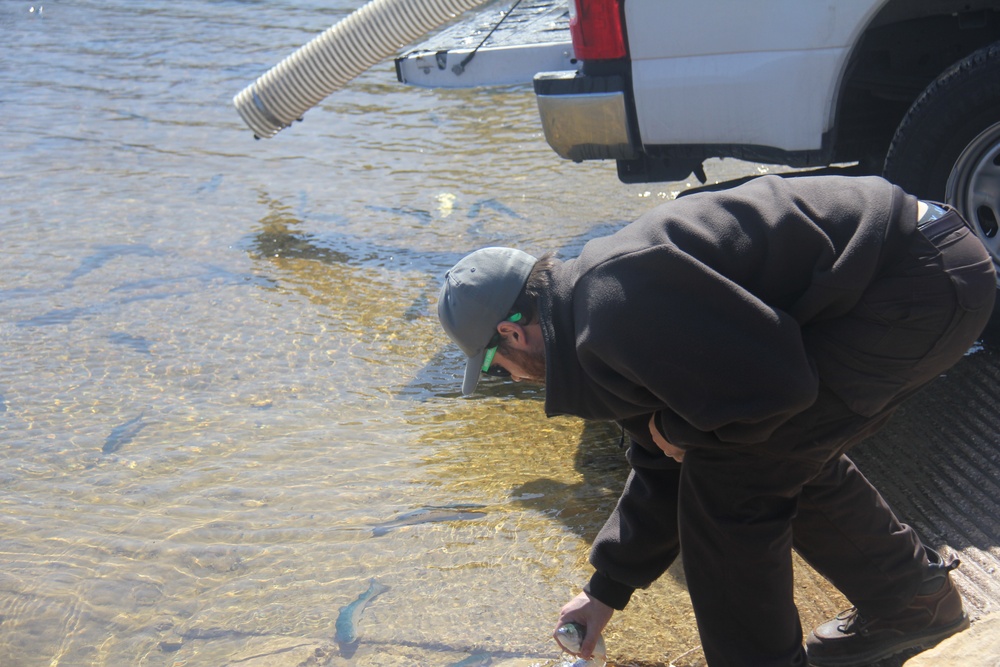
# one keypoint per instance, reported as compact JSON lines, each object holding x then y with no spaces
{"x":491,"y":350}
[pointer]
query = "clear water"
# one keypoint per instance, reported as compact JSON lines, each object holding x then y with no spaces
{"x":221,"y":365}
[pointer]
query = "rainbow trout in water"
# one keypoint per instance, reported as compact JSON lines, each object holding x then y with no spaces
{"x":458,"y":512}
{"x":569,"y":636}
{"x":347,"y":620}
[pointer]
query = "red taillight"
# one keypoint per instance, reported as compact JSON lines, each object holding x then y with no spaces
{"x":596,"y":28}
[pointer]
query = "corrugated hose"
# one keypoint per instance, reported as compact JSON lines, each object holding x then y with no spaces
{"x":346,"y":49}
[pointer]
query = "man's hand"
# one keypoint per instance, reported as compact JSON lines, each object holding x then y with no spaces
{"x":590,"y":613}
{"x":676,"y":453}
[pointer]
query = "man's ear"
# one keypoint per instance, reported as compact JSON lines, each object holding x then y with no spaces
{"x":513,"y":332}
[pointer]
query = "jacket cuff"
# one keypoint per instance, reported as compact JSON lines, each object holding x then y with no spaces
{"x":612,"y":593}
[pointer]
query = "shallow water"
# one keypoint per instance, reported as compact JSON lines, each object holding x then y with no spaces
{"x":222,"y":369}
{"x":221,"y":364}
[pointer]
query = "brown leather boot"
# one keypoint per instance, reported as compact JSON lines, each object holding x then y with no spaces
{"x":852,"y":639}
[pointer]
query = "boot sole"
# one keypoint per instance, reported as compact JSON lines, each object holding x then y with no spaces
{"x":923,"y":642}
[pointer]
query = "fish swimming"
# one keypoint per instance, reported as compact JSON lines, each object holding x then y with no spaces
{"x":105,"y":254}
{"x":429,"y":515}
{"x":123,"y":434}
{"x":424,"y":217}
{"x":137,"y":343}
{"x":503,"y":209}
{"x":474,"y":660}
{"x":57,"y":316}
{"x":570,"y":636}
{"x":211,"y":186}
{"x":347,"y":619}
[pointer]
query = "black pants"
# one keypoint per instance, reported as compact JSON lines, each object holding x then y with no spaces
{"x":741,"y":512}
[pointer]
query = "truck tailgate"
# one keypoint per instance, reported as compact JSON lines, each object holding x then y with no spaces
{"x":501,"y":45}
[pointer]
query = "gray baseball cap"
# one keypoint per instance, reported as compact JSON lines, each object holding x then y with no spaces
{"x":477,"y":294}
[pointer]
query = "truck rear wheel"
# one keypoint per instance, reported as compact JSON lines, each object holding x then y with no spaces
{"x":947,"y":148}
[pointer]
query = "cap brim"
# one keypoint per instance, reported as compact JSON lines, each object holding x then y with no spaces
{"x":473,"y":369}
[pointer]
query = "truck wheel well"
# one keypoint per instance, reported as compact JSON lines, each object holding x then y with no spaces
{"x":905,"y":47}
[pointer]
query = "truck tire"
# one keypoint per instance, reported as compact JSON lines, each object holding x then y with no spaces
{"x":947,"y":148}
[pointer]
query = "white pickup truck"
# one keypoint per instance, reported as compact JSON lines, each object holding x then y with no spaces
{"x":905,"y":88}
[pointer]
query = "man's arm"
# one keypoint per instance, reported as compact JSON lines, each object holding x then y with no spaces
{"x":639,"y":540}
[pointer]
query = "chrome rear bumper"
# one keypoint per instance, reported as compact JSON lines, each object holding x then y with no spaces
{"x":584,"y":118}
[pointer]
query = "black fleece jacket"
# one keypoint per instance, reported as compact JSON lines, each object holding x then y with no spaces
{"x":709,"y":312}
